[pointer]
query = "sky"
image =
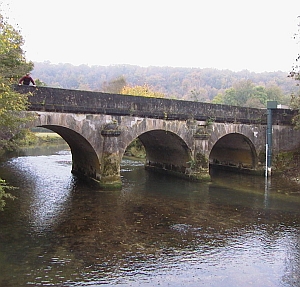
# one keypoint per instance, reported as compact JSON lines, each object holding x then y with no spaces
{"x":255,"y":35}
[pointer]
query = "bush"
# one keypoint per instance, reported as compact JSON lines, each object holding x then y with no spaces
{"x":4,"y":194}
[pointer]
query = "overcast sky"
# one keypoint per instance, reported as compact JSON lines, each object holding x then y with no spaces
{"x":256,"y":35}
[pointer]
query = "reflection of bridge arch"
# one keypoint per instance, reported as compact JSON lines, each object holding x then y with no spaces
{"x":235,"y":150}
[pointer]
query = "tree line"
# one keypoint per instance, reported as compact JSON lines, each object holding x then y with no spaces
{"x":192,"y":84}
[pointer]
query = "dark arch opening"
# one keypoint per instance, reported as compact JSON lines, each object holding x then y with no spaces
{"x":165,"y":151}
{"x":233,"y":151}
{"x":85,"y":163}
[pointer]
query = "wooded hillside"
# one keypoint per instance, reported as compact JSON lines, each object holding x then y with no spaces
{"x":181,"y":83}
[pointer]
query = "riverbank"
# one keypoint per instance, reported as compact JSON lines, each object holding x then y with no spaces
{"x":289,"y":165}
{"x":292,"y":175}
{"x":28,"y":141}
{"x":48,"y":137}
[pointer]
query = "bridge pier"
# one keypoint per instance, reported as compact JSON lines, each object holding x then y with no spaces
{"x":201,"y":156}
{"x":110,"y":161}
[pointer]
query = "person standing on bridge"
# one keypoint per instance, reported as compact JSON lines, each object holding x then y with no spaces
{"x":26,"y":80}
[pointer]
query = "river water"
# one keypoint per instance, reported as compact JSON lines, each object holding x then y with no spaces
{"x":157,"y":231}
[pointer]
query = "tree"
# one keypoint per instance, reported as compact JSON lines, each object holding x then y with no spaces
{"x":230,"y":97}
{"x":12,"y":66}
{"x":218,"y":99}
{"x":275,"y":93}
{"x":115,"y":86}
{"x":295,"y":73}
{"x":258,"y":98}
{"x":245,"y":93}
{"x":40,"y":83}
{"x":198,"y":95}
{"x":144,"y":90}
{"x":3,"y":193}
{"x":12,"y":59}
{"x":296,"y":68}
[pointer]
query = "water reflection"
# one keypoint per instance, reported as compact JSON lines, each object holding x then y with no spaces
{"x":155,"y":231}
{"x":48,"y":192}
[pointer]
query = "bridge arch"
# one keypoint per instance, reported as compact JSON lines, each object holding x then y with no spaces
{"x":165,"y":150}
{"x":85,"y":162}
{"x":234,"y":150}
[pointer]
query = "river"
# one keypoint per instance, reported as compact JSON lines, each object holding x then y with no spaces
{"x":157,"y":231}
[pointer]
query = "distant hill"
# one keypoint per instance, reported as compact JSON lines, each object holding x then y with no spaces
{"x":180,"y":83}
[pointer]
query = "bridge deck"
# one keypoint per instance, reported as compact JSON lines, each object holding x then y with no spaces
{"x":76,"y":101}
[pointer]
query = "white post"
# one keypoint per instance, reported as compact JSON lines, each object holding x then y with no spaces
{"x":266,"y":171}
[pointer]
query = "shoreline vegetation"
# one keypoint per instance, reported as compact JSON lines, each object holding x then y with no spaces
{"x":48,"y":137}
{"x":27,"y":140}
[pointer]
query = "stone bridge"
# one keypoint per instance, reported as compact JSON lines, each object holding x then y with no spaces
{"x":182,"y":138}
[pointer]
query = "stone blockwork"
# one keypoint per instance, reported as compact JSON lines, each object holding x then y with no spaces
{"x":181,"y":138}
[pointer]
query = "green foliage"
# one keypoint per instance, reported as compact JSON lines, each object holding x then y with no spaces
{"x":11,"y":103}
{"x":218,"y":99}
{"x":230,"y":97}
{"x":4,"y":194}
{"x":245,"y":93}
{"x":40,"y":83}
{"x":24,"y":138}
{"x":12,"y":60}
{"x":283,"y":161}
{"x":295,"y":105}
{"x":136,"y":149}
{"x":12,"y":66}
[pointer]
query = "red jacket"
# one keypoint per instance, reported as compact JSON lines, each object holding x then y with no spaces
{"x":26,"y":80}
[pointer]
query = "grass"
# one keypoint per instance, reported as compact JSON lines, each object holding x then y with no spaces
{"x":49,"y":135}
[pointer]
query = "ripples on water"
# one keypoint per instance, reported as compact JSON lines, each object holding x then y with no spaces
{"x":156,"y":231}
